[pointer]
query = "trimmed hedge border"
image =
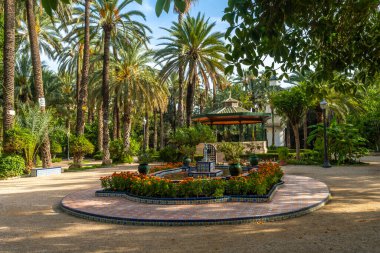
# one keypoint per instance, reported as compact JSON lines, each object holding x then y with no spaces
{"x":192,"y":201}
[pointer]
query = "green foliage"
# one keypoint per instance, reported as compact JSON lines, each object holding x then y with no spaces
{"x":56,"y":159}
{"x":117,"y":153}
{"x":98,"y":156}
{"x":134,"y":147}
{"x":283,"y":153}
{"x":192,"y":136}
{"x":344,"y":142}
{"x":232,"y":151}
{"x":170,"y":154}
{"x":91,"y":133}
{"x":329,"y":35}
{"x":80,"y":146}
{"x":145,"y":157}
{"x":11,"y":166}
{"x":55,"y":148}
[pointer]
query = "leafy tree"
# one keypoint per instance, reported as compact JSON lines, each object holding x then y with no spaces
{"x":331,"y":35}
{"x":202,"y":56}
{"x":79,"y":147}
{"x":291,"y":104}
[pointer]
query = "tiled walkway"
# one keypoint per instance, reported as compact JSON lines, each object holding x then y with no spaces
{"x":299,"y":195}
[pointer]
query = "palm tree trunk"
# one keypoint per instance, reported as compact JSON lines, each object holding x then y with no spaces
{"x":82,"y":101}
{"x":297,"y":140}
{"x":155,"y":133}
{"x":37,"y":74}
{"x":8,"y":63}
{"x":180,"y":83}
{"x":305,"y":131}
{"x":190,"y":101}
{"x":161,"y":130}
{"x":115,"y":116}
{"x":100,"y":128}
{"x":106,"y":94}
{"x":127,"y":126}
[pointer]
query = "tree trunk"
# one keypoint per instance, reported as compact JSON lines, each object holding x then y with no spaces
{"x":37,"y":75}
{"x":115,"y":116}
{"x":9,"y":65}
{"x":146,"y":139}
{"x":106,"y":94}
{"x":127,"y":126}
{"x":305,"y":131}
{"x":100,"y":128}
{"x":297,"y":140}
{"x":288,"y":139}
{"x":162,"y":130}
{"x":190,"y":100}
{"x":82,"y":99}
{"x":180,"y":84}
{"x":155,"y":127}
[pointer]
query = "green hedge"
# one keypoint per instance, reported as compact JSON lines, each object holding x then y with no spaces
{"x":11,"y":166}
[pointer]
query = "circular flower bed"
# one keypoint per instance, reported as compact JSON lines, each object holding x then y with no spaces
{"x":257,"y":182}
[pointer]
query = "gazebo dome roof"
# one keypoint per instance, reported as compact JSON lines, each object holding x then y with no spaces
{"x":231,"y":114}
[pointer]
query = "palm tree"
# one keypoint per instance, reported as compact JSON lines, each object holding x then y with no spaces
{"x":181,"y":77}
{"x":107,"y":14}
{"x":9,"y":64}
{"x":82,"y":100}
{"x":37,"y":75}
{"x":136,"y":84}
{"x":202,"y":58}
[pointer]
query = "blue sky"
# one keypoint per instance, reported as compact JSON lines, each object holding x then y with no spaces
{"x":212,"y":9}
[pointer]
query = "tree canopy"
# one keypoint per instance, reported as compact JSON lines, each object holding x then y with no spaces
{"x":329,"y":35}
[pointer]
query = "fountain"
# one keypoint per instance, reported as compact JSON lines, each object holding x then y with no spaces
{"x":206,"y":167}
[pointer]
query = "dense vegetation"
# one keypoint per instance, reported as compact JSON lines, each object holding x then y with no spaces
{"x":113,"y":96}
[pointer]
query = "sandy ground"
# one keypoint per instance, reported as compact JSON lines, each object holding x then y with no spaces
{"x":30,"y":220}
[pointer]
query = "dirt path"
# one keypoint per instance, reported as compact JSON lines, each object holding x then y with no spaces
{"x":31,"y":222}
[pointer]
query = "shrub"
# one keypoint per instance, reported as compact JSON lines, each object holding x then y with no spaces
{"x":11,"y":166}
{"x":258,"y":182}
{"x":170,"y":154}
{"x":98,"y":155}
{"x":232,"y":151}
{"x":117,"y":151}
{"x":79,"y":147}
{"x":56,"y":160}
{"x":55,"y":148}
{"x":283,"y":153}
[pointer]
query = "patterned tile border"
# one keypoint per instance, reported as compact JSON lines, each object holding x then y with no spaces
{"x":228,"y":221}
{"x":305,"y":195}
{"x":191,"y":201}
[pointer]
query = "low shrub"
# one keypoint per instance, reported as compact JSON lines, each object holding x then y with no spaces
{"x":258,"y":182}
{"x":55,"y":148}
{"x":98,"y":156}
{"x":283,"y":153}
{"x":56,"y":160}
{"x":170,"y":154}
{"x":11,"y":166}
{"x":117,"y":151}
{"x":79,"y":147}
{"x":166,"y":166}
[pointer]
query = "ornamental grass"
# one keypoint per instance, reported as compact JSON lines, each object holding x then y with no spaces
{"x":257,"y":182}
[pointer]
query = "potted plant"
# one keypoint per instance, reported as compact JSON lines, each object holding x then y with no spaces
{"x":232,"y":153}
{"x":144,"y":159}
{"x":253,"y":159}
{"x":283,"y":153}
{"x":188,"y":152}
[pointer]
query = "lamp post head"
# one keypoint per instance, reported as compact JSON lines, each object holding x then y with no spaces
{"x":144,"y":121}
{"x":273,"y":81}
{"x":323,"y":104}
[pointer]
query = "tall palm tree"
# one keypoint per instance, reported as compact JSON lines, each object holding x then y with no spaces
{"x":37,"y":75}
{"x":9,"y":64}
{"x":181,"y":77}
{"x":136,"y":84}
{"x":202,"y":58}
{"x":82,"y":100}
{"x":108,"y":15}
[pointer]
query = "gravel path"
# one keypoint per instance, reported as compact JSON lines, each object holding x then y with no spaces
{"x":31,"y":222}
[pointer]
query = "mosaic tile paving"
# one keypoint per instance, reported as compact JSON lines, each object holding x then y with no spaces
{"x":297,"y":196}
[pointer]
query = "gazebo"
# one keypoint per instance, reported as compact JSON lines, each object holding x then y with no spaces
{"x":232,"y":114}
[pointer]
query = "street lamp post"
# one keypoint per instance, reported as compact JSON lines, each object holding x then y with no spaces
{"x":144,"y":123}
{"x":326,"y":163}
{"x":68,"y":144}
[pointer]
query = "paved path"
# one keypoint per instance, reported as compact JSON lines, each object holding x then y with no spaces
{"x":297,"y":194}
{"x":30,"y":220}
